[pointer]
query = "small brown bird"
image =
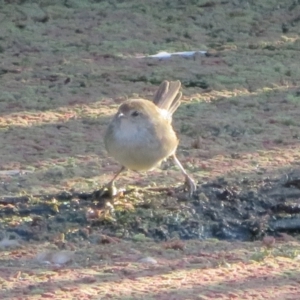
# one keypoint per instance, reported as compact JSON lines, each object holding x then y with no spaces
{"x":140,"y":135}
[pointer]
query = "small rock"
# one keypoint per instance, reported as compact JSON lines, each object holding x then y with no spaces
{"x":268,"y":241}
{"x":55,"y":257}
{"x":34,"y":12}
{"x":7,"y":243}
{"x":148,"y":260}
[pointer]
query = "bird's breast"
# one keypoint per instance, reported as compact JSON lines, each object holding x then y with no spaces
{"x":140,"y":147}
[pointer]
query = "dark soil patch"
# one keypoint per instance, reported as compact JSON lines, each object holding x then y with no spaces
{"x":235,"y":209}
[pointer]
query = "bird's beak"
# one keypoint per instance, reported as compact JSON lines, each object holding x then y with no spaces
{"x":120,"y":115}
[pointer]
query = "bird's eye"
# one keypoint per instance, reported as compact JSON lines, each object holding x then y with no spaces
{"x":135,"y":113}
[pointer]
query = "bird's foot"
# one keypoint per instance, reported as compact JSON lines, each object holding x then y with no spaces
{"x":190,"y":185}
{"x":107,"y":191}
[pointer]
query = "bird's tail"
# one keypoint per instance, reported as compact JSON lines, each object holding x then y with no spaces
{"x":168,"y":96}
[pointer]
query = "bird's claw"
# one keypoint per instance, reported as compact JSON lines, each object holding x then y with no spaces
{"x":190,"y":185}
{"x":109,"y":190}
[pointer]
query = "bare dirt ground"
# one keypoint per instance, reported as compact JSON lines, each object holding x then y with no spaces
{"x":65,"y":66}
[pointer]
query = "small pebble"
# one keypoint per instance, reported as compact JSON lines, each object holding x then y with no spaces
{"x":148,"y":260}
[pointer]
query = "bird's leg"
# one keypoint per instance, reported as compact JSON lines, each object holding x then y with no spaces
{"x":189,"y":182}
{"x":111,"y":183}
